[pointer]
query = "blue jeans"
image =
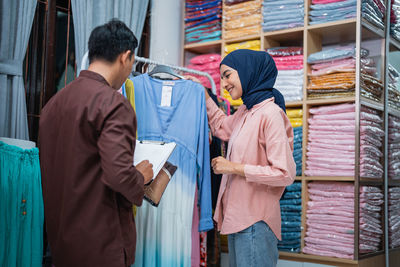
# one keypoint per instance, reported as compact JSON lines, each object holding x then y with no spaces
{"x":256,"y":246}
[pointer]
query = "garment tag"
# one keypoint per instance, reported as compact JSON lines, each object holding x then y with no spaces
{"x":166,"y":95}
{"x":171,"y":83}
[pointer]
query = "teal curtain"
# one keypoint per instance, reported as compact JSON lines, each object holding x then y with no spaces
{"x":21,"y":207}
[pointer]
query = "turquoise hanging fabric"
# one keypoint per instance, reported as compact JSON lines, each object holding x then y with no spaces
{"x":21,"y":207}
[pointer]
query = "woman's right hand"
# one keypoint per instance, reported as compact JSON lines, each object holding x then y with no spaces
{"x":195,"y":79}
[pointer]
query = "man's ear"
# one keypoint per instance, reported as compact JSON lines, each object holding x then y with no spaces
{"x":125,"y":57}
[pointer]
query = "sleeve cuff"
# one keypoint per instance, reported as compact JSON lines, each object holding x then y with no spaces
{"x":206,"y":225}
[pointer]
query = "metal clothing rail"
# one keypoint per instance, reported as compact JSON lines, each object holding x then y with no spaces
{"x":201,"y":73}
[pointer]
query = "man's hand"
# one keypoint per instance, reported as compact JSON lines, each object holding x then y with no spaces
{"x":146,"y":169}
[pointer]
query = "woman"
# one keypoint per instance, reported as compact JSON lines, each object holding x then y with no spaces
{"x":259,"y":160}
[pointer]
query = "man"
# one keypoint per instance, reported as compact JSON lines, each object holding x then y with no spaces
{"x":87,"y":139}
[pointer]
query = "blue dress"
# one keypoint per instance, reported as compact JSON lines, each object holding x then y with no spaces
{"x":164,"y":233}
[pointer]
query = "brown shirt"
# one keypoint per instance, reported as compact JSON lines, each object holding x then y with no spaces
{"x":87,"y":139}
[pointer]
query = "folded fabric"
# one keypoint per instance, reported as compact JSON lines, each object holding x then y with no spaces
{"x":202,"y":21}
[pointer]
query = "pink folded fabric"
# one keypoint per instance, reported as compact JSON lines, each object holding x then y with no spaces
{"x":333,"y":109}
{"x":316,"y":250}
{"x":202,"y":59}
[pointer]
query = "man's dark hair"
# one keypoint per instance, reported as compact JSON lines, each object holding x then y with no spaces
{"x":109,"y":40}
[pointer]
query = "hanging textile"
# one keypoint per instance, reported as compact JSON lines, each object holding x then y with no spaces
{"x":164,"y":233}
{"x":21,"y":207}
{"x":16,"y":19}
{"x":89,"y":14}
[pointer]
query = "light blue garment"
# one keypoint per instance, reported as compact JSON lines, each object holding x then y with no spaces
{"x":164,"y":232}
{"x":291,"y":16}
{"x":282,"y":2}
{"x":123,"y":90}
{"x":283,"y":26}
{"x":335,"y":5}
{"x":331,"y":54}
{"x":255,"y":246}
{"x":21,"y":207}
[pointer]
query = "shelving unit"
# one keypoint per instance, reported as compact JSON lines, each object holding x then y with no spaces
{"x":312,"y":38}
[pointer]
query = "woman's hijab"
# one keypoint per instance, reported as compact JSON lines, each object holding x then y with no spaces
{"x":257,"y":73}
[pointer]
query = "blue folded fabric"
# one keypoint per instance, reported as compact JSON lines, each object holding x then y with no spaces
{"x":282,"y":2}
{"x":288,"y":195}
{"x":296,"y":186}
{"x":291,"y":229}
{"x":291,"y":224}
{"x":330,"y":54}
{"x":291,"y":208}
{"x":293,"y":201}
{"x":290,"y":213}
{"x":205,"y":5}
{"x":335,"y":5}
{"x":296,"y":218}
{"x":286,"y":236}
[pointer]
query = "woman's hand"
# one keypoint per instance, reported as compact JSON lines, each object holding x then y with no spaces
{"x":220,"y":165}
{"x":192,"y":78}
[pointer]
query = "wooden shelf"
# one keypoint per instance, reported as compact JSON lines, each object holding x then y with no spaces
{"x":370,"y":181}
{"x":335,"y":32}
{"x":394,"y":44}
{"x":298,"y":178}
{"x":204,"y":47}
{"x":316,"y":259}
{"x":330,"y":101}
{"x":370,"y":31}
{"x":330,"y":178}
{"x":285,"y":31}
{"x":287,"y":37}
{"x":394,"y":182}
{"x":294,"y":104}
{"x":371,"y":254}
{"x":243,"y":39}
{"x":371,"y":103}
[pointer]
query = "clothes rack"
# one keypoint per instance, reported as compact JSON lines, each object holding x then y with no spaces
{"x":183,"y":69}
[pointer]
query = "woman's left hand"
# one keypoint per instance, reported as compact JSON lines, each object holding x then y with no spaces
{"x":220,"y":165}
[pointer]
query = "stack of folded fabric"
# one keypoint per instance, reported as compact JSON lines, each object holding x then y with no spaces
{"x":394,"y":216}
{"x":394,"y":93}
{"x":296,"y":119}
{"x":203,"y":21}
{"x":332,"y":73}
{"x":371,"y":87}
{"x":394,"y":147}
{"x":330,"y":219}
{"x":374,"y":12}
{"x":395,"y":19}
{"x":252,"y":45}
{"x":332,"y":10}
{"x":289,"y":62}
{"x":291,"y":218}
{"x":331,"y":142}
{"x":282,"y":14}
{"x":242,"y":19}
{"x":208,"y":63}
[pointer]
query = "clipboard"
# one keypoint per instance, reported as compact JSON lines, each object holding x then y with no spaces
{"x":156,"y":152}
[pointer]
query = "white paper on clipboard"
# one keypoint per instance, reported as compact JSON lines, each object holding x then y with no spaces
{"x":157,"y":153}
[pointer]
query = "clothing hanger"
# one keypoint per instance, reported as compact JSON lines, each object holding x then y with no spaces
{"x":162,"y":69}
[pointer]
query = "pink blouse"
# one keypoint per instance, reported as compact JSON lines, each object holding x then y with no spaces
{"x":262,"y":139}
